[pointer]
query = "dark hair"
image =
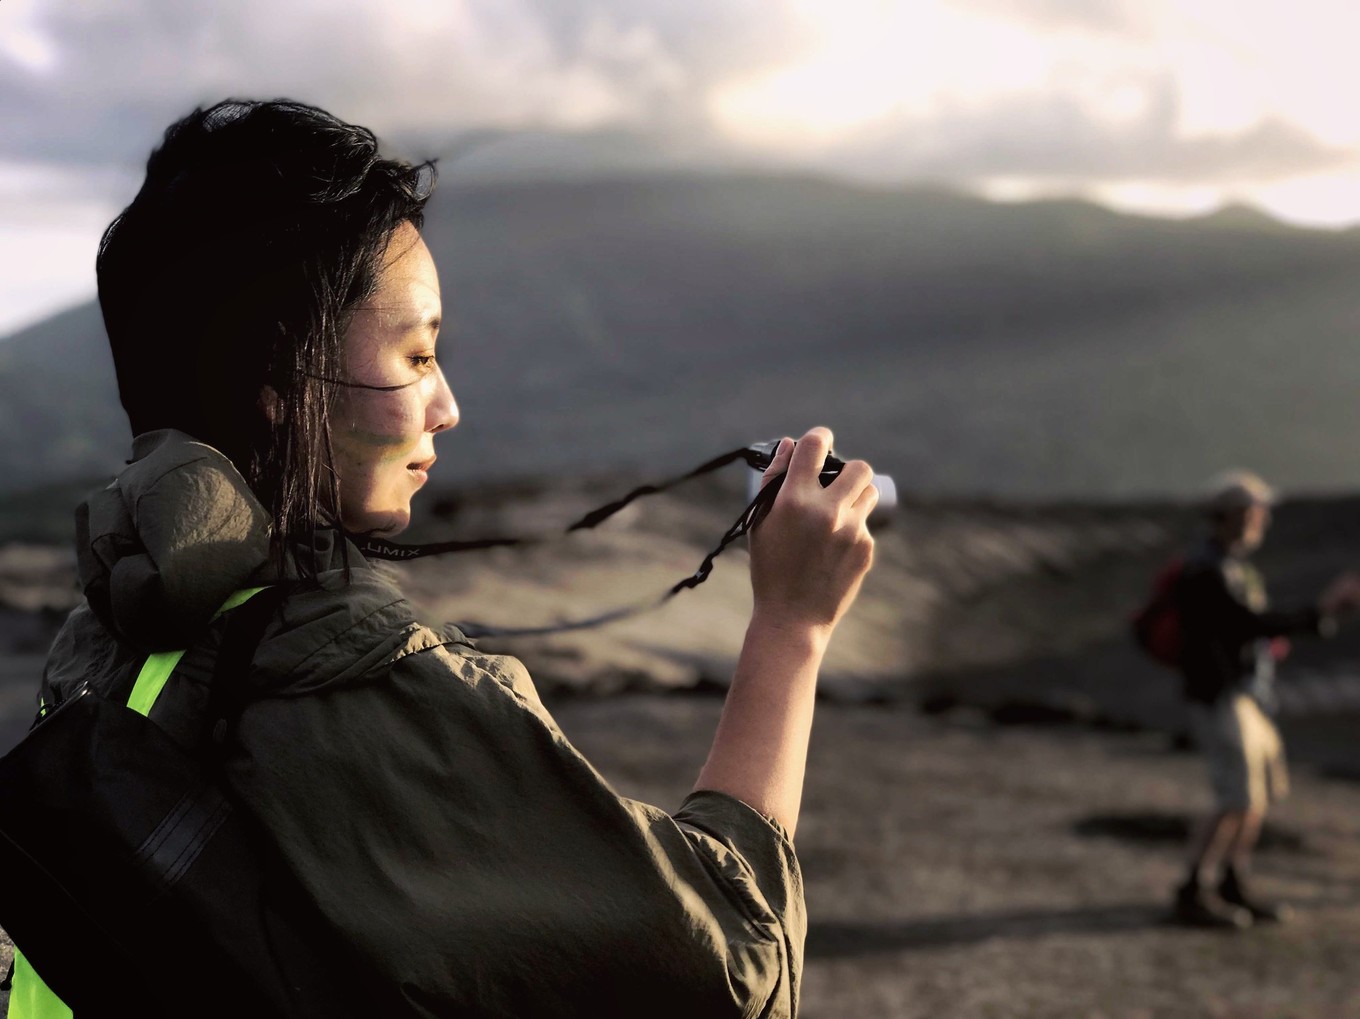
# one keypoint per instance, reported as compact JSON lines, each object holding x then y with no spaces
{"x":258,"y":229}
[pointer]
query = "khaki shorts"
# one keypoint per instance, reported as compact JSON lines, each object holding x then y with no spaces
{"x":1242,"y":748}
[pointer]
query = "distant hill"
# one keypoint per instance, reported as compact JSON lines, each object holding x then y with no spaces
{"x":59,"y":414}
{"x":1043,"y":349}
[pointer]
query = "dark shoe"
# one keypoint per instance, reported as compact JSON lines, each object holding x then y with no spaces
{"x":1197,"y":908}
{"x":1233,"y":891}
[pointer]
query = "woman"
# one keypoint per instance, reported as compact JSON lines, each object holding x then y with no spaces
{"x":273,"y":314}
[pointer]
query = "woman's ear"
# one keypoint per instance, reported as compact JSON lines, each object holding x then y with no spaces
{"x":270,"y":404}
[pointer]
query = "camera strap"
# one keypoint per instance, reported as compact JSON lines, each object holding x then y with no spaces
{"x":379,"y":548}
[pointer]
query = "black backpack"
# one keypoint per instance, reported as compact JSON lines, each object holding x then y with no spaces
{"x":133,"y":883}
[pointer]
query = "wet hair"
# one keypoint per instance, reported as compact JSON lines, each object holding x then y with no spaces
{"x":259,"y":228}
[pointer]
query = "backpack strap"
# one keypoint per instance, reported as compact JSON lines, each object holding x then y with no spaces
{"x":230,"y":687}
{"x":157,"y":668}
{"x":30,"y":997}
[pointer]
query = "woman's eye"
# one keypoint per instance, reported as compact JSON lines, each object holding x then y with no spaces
{"x":422,"y":360}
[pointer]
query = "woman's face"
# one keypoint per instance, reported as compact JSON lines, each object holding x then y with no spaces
{"x":384,"y":421}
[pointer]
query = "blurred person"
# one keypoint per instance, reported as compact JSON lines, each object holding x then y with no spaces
{"x":1231,"y":641}
{"x":273,"y":312}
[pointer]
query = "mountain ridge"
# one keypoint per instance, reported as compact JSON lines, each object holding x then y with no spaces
{"x":639,"y":323}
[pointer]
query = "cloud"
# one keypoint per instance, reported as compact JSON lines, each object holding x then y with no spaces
{"x":1153,"y":104}
{"x":85,"y":87}
{"x":1122,"y":17}
{"x":713,"y":39}
{"x":1082,"y":90}
{"x":1060,"y":137}
{"x":84,"y":82}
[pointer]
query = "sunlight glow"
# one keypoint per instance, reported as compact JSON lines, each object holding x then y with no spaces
{"x":1316,"y":200}
{"x":1186,"y":71}
{"x":877,"y":60}
{"x":51,"y":219}
{"x":1233,"y":64}
{"x":1242,"y":62}
{"x":23,"y":41}
{"x":1160,"y":199}
{"x":45,"y":279}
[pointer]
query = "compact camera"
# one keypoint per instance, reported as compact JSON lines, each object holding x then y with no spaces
{"x":761,"y":454}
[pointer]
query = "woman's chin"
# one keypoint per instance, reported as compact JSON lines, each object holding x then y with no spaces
{"x":386,"y":523}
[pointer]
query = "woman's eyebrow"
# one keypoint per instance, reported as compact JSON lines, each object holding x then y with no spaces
{"x":418,"y":322}
{"x":426,"y":318}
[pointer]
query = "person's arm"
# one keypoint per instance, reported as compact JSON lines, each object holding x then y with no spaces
{"x":808,"y":558}
{"x":452,"y":836}
{"x":1209,"y":607}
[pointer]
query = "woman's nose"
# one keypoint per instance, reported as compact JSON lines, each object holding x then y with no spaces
{"x":442,"y":412}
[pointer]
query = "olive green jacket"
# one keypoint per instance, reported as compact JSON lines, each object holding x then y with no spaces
{"x":473,"y":859}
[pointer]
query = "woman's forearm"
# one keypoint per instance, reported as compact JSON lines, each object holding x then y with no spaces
{"x":759,"y":752}
{"x":808,"y":556}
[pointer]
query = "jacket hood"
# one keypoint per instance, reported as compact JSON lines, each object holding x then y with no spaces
{"x":162,"y":546}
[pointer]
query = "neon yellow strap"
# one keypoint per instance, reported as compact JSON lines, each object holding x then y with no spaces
{"x":29,"y":997}
{"x":151,"y":680}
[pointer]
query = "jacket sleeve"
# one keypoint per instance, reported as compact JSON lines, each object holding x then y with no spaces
{"x":455,"y":838}
{"x":1209,"y":608}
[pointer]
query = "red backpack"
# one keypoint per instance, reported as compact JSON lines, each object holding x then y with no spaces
{"x":1157,"y":625}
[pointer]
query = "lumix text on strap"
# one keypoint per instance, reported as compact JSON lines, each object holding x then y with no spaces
{"x":757,"y":456}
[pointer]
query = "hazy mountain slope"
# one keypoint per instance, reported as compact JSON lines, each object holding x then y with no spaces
{"x":1031,"y":349}
{"x":1043,"y":348}
{"x":59,"y":412}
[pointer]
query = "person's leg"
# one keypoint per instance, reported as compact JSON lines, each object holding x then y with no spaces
{"x":1213,"y":837}
{"x":1212,"y":841}
{"x":1238,"y":855}
{"x":1234,"y":888}
{"x":1197,"y":904}
{"x":1265,"y":755}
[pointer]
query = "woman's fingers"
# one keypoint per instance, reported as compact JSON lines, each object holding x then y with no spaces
{"x":866,"y":500}
{"x":812,"y":550}
{"x":847,"y":497}
{"x":853,"y":479}
{"x":808,"y":457}
{"x":779,"y":463}
{"x":805,"y":468}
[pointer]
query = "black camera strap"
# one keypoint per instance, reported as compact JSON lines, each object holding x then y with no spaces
{"x":378,"y":548}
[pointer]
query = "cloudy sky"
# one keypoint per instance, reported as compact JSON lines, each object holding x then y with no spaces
{"x":1161,"y":106}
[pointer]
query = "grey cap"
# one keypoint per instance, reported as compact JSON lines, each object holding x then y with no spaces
{"x":1235,"y":490}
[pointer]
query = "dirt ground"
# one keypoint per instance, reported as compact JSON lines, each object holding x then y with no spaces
{"x":959,"y":869}
{"x":955,"y":867}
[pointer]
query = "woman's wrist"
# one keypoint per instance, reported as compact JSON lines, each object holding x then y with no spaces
{"x":791,"y":632}
{"x":760,"y":749}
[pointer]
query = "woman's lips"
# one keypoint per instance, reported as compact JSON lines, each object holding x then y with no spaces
{"x":421,"y":469}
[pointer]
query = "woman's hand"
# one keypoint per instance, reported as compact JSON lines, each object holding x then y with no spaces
{"x":812,"y":549}
{"x":808,"y":557}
